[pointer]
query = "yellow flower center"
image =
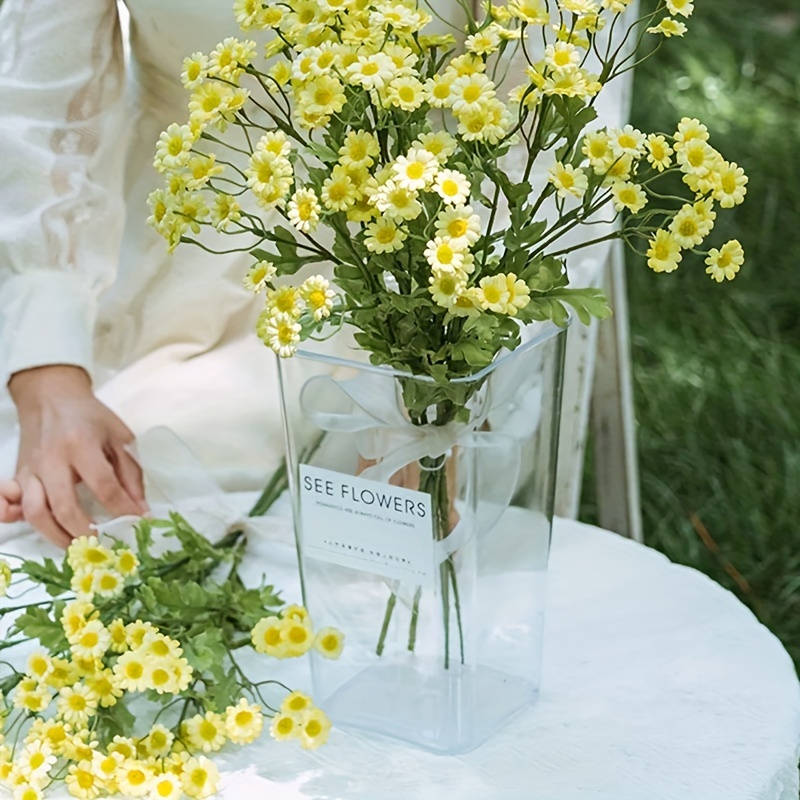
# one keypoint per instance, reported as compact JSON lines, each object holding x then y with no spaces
{"x":562,"y":58}
{"x":415,"y":170}
{"x":627,"y":142}
{"x":198,"y":777}
{"x":305,"y":209}
{"x":193,"y":70}
{"x":627,"y":197}
{"x":265,"y":172}
{"x":175,"y":146}
{"x":471,"y":93}
{"x":159,"y":648}
{"x":77,"y":702}
{"x":323,"y":97}
{"x":492,"y":294}
{"x":298,"y":703}
{"x":298,"y":634}
{"x":441,"y":91}
{"x":285,"y":336}
{"x":207,"y":731}
{"x":95,"y":556}
{"x":444,"y":254}
{"x":272,"y":636}
{"x":696,"y":156}
{"x":134,"y":670}
{"x":313,"y":728}
{"x":407,"y":94}
{"x":243,"y":718}
{"x":258,"y":275}
{"x":108,"y":583}
{"x":728,"y":183}
{"x":458,"y":227}
{"x":285,"y":302}
{"x":56,"y":735}
{"x":211,"y":103}
{"x":325,"y":60}
{"x":724,"y":260}
{"x":136,"y":777}
{"x":447,"y":285}
{"x":317,"y":298}
{"x":449,"y":187}
{"x":160,"y":677}
{"x":661,"y":251}
{"x":36,"y":760}
{"x":657,"y":151}
{"x":385,"y":235}
{"x":688,"y":228}
{"x":164,"y":788}
{"x":369,"y":69}
{"x":567,"y":181}
{"x":337,"y":191}
{"x":598,"y":148}
{"x":85,"y":779}
{"x":286,"y":726}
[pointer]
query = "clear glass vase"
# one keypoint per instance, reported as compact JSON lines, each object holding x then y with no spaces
{"x":424,"y":535}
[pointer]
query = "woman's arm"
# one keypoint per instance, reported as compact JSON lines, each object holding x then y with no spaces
{"x":61,"y":216}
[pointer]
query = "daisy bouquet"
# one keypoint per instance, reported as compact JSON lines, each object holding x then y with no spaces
{"x":134,"y":676}
{"x":349,"y":134}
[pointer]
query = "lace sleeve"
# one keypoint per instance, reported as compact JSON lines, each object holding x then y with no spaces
{"x":61,"y":211}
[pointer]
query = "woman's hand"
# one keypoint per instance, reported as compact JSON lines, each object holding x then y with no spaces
{"x":67,"y":436}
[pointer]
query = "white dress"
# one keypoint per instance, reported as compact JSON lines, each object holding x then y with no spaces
{"x":168,"y":340}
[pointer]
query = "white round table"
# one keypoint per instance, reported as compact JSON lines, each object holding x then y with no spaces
{"x":658,"y":685}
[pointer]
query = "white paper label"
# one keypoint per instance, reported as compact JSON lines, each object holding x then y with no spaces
{"x":367,"y":525}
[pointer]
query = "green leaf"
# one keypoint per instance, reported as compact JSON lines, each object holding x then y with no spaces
{"x":588,"y":303}
{"x":56,"y":581}
{"x":36,"y":623}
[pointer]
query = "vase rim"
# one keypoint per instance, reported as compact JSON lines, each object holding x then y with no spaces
{"x":548,"y":330}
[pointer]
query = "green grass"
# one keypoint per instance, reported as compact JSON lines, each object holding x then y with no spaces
{"x":717,"y":367}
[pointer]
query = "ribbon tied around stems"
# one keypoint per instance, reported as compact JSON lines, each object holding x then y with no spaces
{"x":176,"y":481}
{"x":367,"y":408}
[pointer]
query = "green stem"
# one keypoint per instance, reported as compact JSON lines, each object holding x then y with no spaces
{"x":412,"y":628}
{"x":385,"y":627}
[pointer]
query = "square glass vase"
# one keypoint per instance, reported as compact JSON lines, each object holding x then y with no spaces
{"x":423,"y":516}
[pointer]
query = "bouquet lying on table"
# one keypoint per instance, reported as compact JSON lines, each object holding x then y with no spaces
{"x":137,"y":679}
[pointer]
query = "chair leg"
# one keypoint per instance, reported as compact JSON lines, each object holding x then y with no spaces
{"x":613,"y":420}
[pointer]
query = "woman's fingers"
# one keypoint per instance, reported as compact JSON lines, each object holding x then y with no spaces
{"x":10,"y":497}
{"x":62,"y":499}
{"x":37,"y":512}
{"x":99,"y":475}
{"x":130,"y":476}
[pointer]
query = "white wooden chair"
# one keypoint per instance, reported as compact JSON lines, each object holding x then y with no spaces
{"x":598,"y":390}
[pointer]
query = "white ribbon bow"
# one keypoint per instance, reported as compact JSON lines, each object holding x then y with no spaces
{"x":367,"y":407}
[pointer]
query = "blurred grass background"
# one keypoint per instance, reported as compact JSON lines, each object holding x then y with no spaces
{"x":717,"y":367}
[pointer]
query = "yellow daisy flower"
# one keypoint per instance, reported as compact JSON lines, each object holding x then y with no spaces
{"x":296,"y":703}
{"x":460,"y":224}
{"x":629,"y":196}
{"x":729,"y":184}
{"x":569,"y":181}
{"x":243,"y":722}
{"x":725,"y":263}
{"x":668,"y":27}
{"x":658,"y":152}
{"x":444,"y":253}
{"x":318,"y":295}
{"x":384,"y":236}
{"x":259,"y":275}
{"x":282,"y":333}
{"x":440,"y":143}
{"x":664,"y":252}
{"x":446,"y":285}
{"x":314,"y":728}
{"x":452,"y":187}
{"x":416,"y":170}
{"x":493,"y":294}
{"x":284,"y":726}
{"x":134,"y":778}
{"x":205,"y":732}
{"x":304,"y":210}
{"x":76,"y":704}
{"x":166,"y":787}
{"x":200,"y":777}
